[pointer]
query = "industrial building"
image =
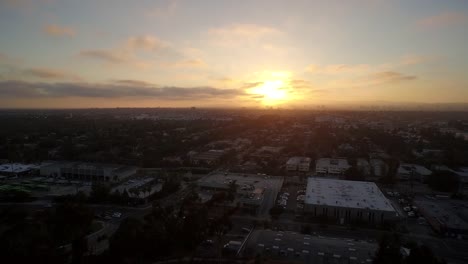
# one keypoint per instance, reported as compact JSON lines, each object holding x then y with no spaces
{"x":88,"y":171}
{"x":301,"y":164}
{"x":331,"y":167}
{"x":347,"y":201}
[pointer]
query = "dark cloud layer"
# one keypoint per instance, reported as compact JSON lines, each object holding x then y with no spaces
{"x":20,"y":89}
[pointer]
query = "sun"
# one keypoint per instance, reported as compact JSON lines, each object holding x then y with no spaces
{"x":273,"y":92}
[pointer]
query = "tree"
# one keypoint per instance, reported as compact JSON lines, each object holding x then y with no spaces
{"x":99,"y":193}
{"x":232,"y":190}
{"x":444,"y":181}
{"x":71,"y":221}
{"x":422,"y":254}
{"x":353,"y":174}
{"x":127,"y":242}
{"x":276,"y":211}
{"x":389,"y":250}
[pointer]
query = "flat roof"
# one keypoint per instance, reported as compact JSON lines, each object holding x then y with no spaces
{"x":221,"y":181}
{"x":298,"y":160}
{"x":89,"y":165}
{"x":328,"y":162}
{"x":445,"y":211}
{"x":16,"y":167}
{"x":407,"y":167}
{"x":341,"y":193}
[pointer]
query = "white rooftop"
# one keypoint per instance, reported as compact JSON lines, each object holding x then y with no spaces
{"x":341,"y":193}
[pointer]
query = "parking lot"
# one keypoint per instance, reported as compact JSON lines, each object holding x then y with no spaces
{"x":291,"y":198}
{"x":309,"y":248}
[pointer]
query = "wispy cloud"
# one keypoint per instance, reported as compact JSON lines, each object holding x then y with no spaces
{"x":414,"y":59}
{"x":57,"y":30}
{"x":110,"y":56}
{"x":128,"y":51}
{"x":338,"y":68}
{"x":128,"y":88}
{"x":448,"y":18}
{"x":374,"y":79}
{"x":163,"y":11}
{"x":190,"y":63}
{"x":145,"y":42}
{"x":132,"y":82}
{"x":360,"y":69}
{"x":390,"y":77}
{"x":46,"y":73}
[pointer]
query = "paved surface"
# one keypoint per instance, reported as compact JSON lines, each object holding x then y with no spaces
{"x":273,"y":186}
{"x":309,"y":248}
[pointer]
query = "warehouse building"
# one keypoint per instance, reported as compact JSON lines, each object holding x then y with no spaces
{"x":347,"y":201}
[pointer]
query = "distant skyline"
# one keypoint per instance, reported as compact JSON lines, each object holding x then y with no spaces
{"x":300,"y":53}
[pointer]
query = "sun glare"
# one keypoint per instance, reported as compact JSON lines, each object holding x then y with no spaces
{"x":273,"y":91}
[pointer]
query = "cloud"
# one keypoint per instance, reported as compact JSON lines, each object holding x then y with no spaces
{"x":414,"y":59}
{"x":300,"y":84}
{"x":110,"y":56}
{"x":57,"y":30}
{"x":21,"y":89}
{"x":145,"y":42}
{"x":191,"y":63}
{"x":132,"y":82}
{"x":127,"y":52}
{"x":373,"y":79}
{"x":443,"y":19}
{"x":390,"y":77}
{"x":46,"y":73}
{"x":337,"y":68}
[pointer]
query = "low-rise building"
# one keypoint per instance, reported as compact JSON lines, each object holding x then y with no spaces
{"x":444,"y":216}
{"x":378,"y":168}
{"x":347,"y":201}
{"x":301,"y":164}
{"x":88,"y":171}
{"x":211,"y":157}
{"x":327,"y":166}
{"x":250,"y":189}
{"x":413,"y":171}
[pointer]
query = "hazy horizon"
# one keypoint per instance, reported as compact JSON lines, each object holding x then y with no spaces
{"x":224,"y":54}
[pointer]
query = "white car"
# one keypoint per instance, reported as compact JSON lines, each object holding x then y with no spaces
{"x":411,"y":214}
{"x":407,"y":209}
{"x":117,"y":214}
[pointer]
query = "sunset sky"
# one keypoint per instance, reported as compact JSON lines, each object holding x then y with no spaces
{"x":97,"y":53}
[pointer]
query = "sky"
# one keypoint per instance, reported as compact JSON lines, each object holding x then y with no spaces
{"x":265,"y":53}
